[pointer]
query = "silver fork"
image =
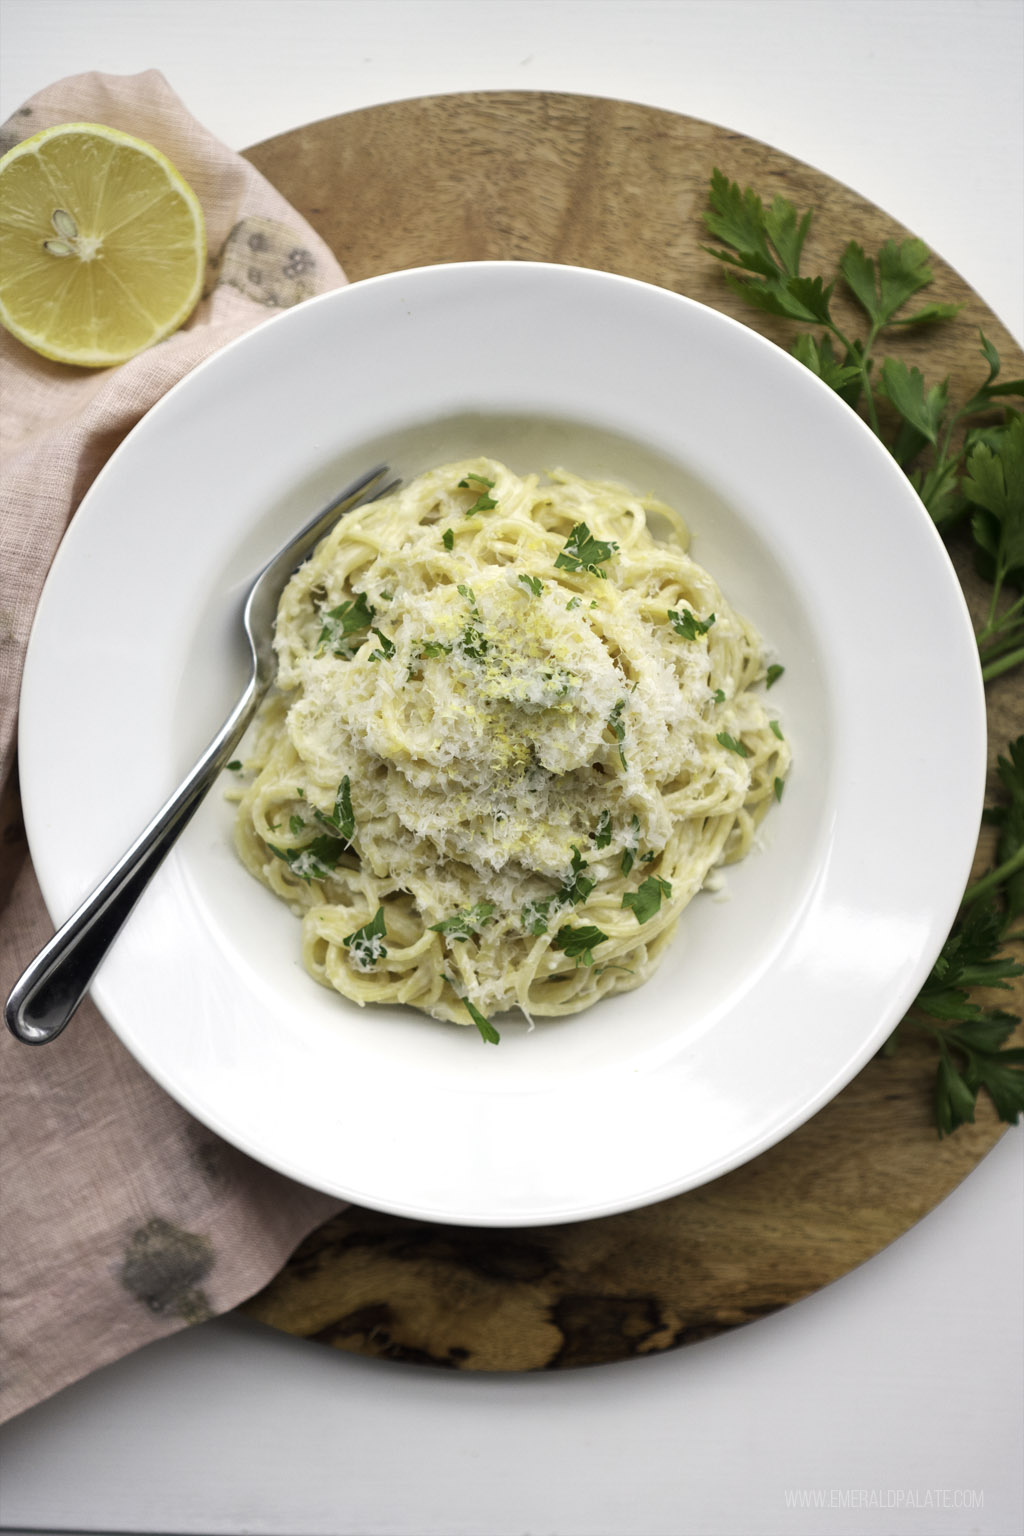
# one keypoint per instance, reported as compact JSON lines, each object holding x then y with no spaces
{"x":52,"y":987}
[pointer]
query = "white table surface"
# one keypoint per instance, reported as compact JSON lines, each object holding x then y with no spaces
{"x":893,"y":1399}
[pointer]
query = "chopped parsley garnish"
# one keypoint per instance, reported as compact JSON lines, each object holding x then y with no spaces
{"x":732,"y":744}
{"x":536,"y":915}
{"x":483,"y":503}
{"x":574,"y":890}
{"x":349,"y":618}
{"x":435,"y":648}
{"x":773,"y":674}
{"x":366,"y":945}
{"x":473,"y":643}
{"x":602,"y":833}
{"x":486,"y":1028}
{"x":617,"y":728}
{"x":448,"y":538}
{"x":582,"y":552}
{"x":316,"y":861}
{"x":776,"y":729}
{"x":576,"y":887}
{"x":779,"y":786}
{"x":719,"y":695}
{"x":534,"y":583}
{"x":574,"y":602}
{"x":645,"y":858}
{"x":686,"y":623}
{"x":341,"y":822}
{"x":386,"y":650}
{"x":647,"y":899}
{"x":235,"y":766}
{"x":467,"y":923}
{"x":629,"y":852}
{"x":579,"y":943}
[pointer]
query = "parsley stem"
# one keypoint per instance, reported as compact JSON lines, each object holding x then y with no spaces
{"x":997,"y":587}
{"x":1004,"y":664}
{"x":994,"y":625}
{"x":997,"y":644}
{"x":860,"y":355}
{"x":997,"y":876}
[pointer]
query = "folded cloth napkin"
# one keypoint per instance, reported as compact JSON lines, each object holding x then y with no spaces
{"x":121,"y":1218}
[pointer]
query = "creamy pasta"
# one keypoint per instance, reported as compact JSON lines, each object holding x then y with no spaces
{"x":515,"y":728}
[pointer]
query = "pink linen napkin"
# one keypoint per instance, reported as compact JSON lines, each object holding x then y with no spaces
{"x":121,"y":1218}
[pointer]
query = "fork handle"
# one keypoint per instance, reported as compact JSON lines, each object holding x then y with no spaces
{"x":50,"y":990}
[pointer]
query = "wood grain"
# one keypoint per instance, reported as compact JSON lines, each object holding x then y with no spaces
{"x":620,"y":187}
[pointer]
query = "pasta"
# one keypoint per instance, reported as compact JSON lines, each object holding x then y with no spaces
{"x":512,"y":734}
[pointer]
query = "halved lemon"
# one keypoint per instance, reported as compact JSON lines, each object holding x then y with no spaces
{"x":102,"y":244}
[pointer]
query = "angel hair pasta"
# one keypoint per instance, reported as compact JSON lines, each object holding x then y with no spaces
{"x":512,"y":734}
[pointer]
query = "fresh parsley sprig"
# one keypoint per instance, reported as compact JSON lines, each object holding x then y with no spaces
{"x":1008,"y":875}
{"x":994,"y":488}
{"x":971,"y":1040}
{"x":967,"y":465}
{"x":762,"y":247}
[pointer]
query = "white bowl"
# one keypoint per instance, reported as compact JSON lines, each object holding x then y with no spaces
{"x":770,"y":1001}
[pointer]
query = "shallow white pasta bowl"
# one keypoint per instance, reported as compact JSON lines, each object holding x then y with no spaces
{"x":774,"y":992}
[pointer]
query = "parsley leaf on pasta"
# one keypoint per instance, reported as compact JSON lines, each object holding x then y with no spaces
{"x":314,"y":861}
{"x":467,"y":923}
{"x":646,"y":901}
{"x":582,"y":552}
{"x":366,"y":945}
{"x":349,"y":618}
{"x":686,"y":623}
{"x":576,"y":887}
{"x":617,"y":728}
{"x":487,"y":1030}
{"x":633,"y":843}
{"x":386,"y":650}
{"x":341,"y":822}
{"x":579,"y":943}
{"x":602,"y":833}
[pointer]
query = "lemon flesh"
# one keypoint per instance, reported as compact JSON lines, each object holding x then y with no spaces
{"x":102,"y":245}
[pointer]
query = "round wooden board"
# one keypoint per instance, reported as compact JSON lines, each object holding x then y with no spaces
{"x":621,"y":187}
